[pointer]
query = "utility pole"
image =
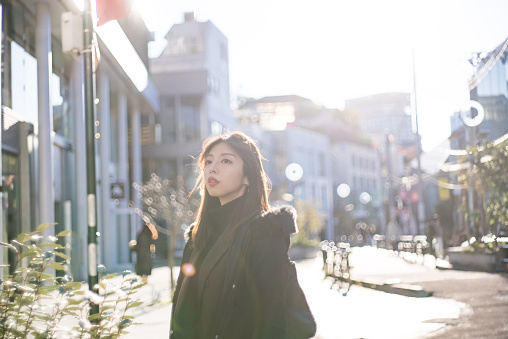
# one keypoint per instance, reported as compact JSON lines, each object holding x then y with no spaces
{"x":420,"y":210}
{"x":91,"y":179}
{"x":389,"y":140}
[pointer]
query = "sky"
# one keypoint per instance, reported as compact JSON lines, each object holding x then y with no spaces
{"x":330,"y":51}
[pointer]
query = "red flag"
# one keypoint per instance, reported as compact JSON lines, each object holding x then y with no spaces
{"x":108,"y":10}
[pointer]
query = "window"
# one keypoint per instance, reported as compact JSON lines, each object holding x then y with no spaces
{"x":216,"y":128}
{"x":184,"y":45}
{"x":324,"y":200}
{"x":168,"y":118}
{"x":310,"y":162}
{"x":190,"y":118}
{"x":189,"y":169}
{"x":213,"y":84}
{"x":59,"y":93}
{"x":24,"y":83}
{"x":322,"y":164}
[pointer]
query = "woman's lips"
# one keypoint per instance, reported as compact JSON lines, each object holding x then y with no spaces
{"x":212,"y":181}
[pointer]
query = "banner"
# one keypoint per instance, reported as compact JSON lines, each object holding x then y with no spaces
{"x":108,"y":10}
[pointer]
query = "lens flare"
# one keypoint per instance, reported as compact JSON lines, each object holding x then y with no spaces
{"x":188,"y":269}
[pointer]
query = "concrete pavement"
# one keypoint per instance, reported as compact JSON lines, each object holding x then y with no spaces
{"x":377,"y":269}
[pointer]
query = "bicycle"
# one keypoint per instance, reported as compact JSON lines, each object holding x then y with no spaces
{"x":341,"y":268}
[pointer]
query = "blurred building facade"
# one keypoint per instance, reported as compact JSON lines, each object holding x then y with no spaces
{"x":43,"y":130}
{"x":386,"y":118}
{"x":192,"y":75}
{"x":331,"y":151}
{"x":488,"y":87}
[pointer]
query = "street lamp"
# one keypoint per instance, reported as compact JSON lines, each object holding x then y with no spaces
{"x":471,"y":121}
{"x":343,"y":191}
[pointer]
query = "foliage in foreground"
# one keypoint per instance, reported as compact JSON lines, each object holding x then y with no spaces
{"x":34,"y":302}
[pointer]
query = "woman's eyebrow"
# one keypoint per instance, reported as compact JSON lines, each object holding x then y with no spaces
{"x":231,"y":154}
{"x":222,"y":154}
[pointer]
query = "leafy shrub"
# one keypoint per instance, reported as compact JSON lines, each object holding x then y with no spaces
{"x":35,"y":302}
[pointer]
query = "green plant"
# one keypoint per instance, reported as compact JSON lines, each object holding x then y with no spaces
{"x":489,"y":162}
{"x":34,"y":302}
{"x":309,"y":222}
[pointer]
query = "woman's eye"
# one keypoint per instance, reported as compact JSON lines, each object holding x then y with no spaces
{"x":208,"y":162}
{"x":226,"y":161}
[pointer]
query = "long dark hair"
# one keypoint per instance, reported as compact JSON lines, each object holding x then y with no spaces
{"x":255,"y":199}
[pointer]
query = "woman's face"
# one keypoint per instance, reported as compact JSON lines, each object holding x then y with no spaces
{"x":223,"y":172}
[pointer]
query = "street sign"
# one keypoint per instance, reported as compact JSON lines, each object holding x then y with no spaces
{"x":117,"y":190}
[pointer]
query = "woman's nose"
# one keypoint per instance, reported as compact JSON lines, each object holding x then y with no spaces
{"x":211,"y":168}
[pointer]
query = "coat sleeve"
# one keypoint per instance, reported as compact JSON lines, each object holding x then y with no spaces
{"x":267,"y":277}
{"x":185,"y":259}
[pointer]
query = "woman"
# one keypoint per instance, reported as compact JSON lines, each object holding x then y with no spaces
{"x":145,"y":250}
{"x":235,"y":195}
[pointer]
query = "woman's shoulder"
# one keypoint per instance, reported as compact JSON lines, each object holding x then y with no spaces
{"x":277,"y":221}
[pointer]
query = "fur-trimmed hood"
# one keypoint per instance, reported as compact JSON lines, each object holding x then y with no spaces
{"x":279,"y":219}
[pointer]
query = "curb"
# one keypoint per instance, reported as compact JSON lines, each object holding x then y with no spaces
{"x":407,"y":290}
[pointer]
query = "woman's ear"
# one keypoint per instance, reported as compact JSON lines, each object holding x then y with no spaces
{"x":245,"y":181}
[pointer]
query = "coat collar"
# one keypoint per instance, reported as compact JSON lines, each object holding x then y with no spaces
{"x":280,"y":219}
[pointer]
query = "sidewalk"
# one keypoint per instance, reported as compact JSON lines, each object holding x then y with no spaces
{"x":153,"y":316}
{"x":377,"y":269}
{"x":394,"y":272}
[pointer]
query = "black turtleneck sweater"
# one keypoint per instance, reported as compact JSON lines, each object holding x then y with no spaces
{"x":217,"y":220}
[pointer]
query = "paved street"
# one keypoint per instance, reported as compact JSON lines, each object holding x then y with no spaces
{"x":454,"y":310}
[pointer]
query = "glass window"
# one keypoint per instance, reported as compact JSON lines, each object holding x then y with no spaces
{"x":324,"y":200}
{"x":24,"y":83}
{"x":216,"y":128}
{"x":310,"y":163}
{"x":10,"y":203}
{"x":190,"y":118}
{"x":189,"y":168}
{"x":168,"y":119}
{"x":61,"y":123}
{"x":182,"y":45}
{"x":322,"y":165}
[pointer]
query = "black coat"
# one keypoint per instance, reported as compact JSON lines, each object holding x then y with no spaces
{"x":259,"y":294}
{"x":144,"y":256}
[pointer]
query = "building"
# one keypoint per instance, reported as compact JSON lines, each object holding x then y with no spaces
{"x":386,"y":118}
{"x":385,"y":112}
{"x":488,"y":87}
{"x":44,"y":155}
{"x":192,"y":75}
{"x":296,"y":130}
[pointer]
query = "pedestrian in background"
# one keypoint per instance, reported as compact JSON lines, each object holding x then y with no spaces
{"x":144,"y":245}
{"x":234,"y":201}
{"x":437,"y":235}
